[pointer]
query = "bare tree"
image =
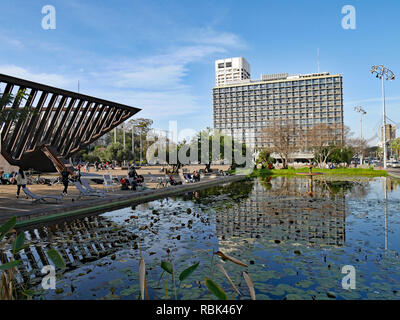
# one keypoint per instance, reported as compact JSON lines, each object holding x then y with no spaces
{"x":282,"y":137}
{"x":358,"y":145}
{"x":321,"y":139}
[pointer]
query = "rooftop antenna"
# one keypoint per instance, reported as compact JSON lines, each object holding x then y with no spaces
{"x":318,"y":60}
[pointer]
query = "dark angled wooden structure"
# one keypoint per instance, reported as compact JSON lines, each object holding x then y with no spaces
{"x":63,"y":123}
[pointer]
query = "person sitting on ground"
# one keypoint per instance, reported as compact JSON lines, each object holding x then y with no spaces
{"x":124,"y":184}
{"x":139,"y":179}
{"x":173,"y":182}
{"x":196,"y":176}
{"x":188,"y":177}
{"x":21,"y":181}
{"x":11,"y":177}
{"x":134,"y":184}
{"x":3,"y":180}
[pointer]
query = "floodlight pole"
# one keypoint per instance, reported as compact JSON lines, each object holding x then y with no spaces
{"x":384,"y":124}
{"x":362,"y":112}
{"x":383,"y":73}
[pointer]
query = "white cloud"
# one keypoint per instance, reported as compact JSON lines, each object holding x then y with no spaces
{"x":373,"y":100}
{"x":144,"y":75}
{"x":166,"y":71}
{"x":51,"y":79}
{"x":157,"y":84}
{"x":15,"y":43}
{"x":210,"y":36}
{"x":158,"y":104}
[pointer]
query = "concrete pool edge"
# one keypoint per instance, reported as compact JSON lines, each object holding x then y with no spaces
{"x":117,"y":202}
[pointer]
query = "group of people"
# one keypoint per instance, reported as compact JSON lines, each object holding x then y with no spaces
{"x":104,"y":165}
{"x":172,"y":181}
{"x":16,"y":178}
{"x":20,"y":179}
{"x":85,"y":166}
{"x":194,"y":177}
{"x":330,"y":166}
{"x":134,"y":180}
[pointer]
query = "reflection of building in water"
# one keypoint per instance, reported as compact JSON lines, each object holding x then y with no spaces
{"x":282,"y":211}
{"x":78,"y":241}
{"x":389,"y":185}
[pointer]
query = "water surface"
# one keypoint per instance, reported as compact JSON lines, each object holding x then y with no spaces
{"x":294,"y":234}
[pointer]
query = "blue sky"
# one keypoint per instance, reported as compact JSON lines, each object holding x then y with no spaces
{"x":159,"y":55}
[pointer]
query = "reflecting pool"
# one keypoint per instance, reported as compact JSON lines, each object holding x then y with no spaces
{"x":294,"y":234}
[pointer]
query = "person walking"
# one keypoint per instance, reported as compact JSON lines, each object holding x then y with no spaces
{"x":21,"y":181}
{"x":64,"y":178}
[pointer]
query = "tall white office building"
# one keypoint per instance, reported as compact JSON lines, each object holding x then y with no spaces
{"x":231,"y":70}
{"x":243,"y":108}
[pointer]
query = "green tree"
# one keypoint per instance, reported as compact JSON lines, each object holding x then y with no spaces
{"x":341,"y":155}
{"x":140,"y":127}
{"x":99,"y":154}
{"x":264,"y":158}
{"x":225,"y":148}
{"x":379,"y":152}
{"x":395,"y":146}
{"x":116,"y":151}
{"x":92,"y":157}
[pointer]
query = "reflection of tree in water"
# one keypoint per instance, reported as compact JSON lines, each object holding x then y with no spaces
{"x":283,"y":212}
{"x":360,"y":189}
{"x":333,"y":188}
{"x":232,"y":191}
{"x":300,"y":186}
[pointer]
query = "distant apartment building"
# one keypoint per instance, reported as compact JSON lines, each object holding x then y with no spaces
{"x":244,"y":108}
{"x":390,"y":132}
{"x":231,"y":70}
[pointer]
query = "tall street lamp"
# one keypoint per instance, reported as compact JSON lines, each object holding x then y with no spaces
{"x":362,"y":112}
{"x":383,"y":73}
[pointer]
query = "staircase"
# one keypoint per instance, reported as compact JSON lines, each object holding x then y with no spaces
{"x":57,"y":161}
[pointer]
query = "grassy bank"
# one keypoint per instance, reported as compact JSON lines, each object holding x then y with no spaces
{"x":337,"y":171}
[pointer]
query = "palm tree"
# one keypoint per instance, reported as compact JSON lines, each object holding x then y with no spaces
{"x":395,"y":145}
